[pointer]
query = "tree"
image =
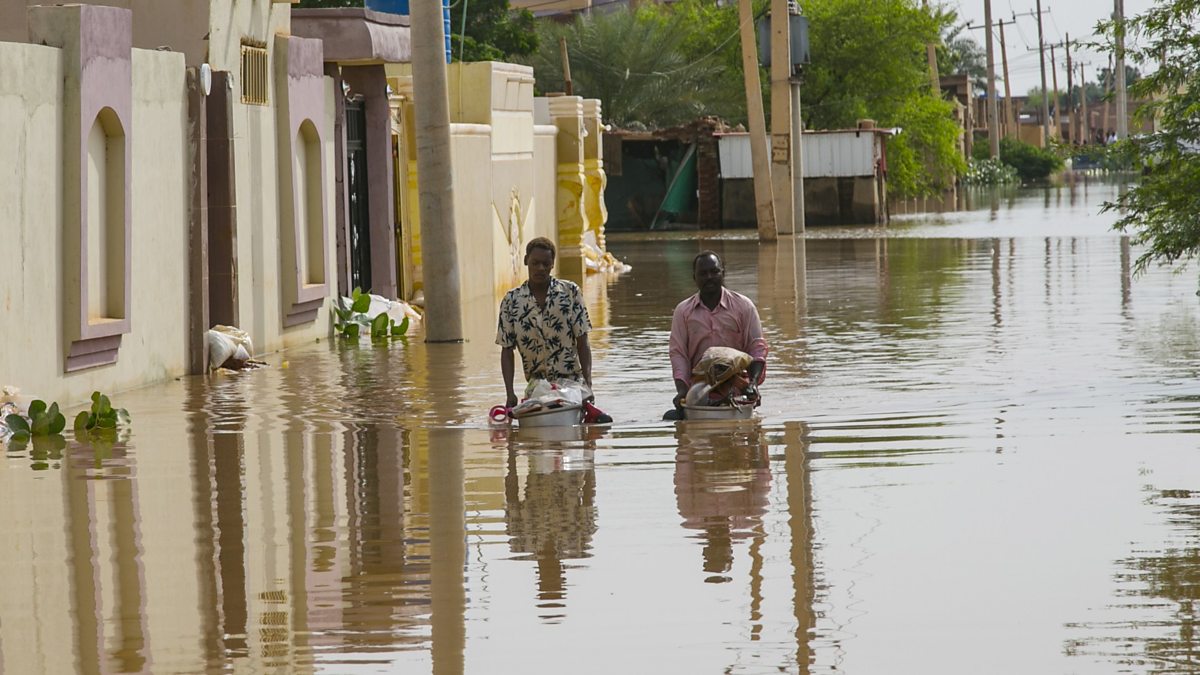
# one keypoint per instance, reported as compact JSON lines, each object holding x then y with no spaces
{"x":868,"y":61}
{"x":960,"y":53}
{"x":1163,"y":208}
{"x":493,"y":31}
{"x":651,"y":66}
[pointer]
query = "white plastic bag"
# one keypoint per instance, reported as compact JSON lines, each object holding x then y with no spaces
{"x":228,"y":346}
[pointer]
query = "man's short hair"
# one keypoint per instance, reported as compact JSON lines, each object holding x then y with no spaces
{"x":705,"y":254}
{"x":542,"y":243}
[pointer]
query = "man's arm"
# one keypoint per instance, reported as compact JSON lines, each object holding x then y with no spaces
{"x":506,"y":371}
{"x":585,"y":358}
{"x":681,"y":364}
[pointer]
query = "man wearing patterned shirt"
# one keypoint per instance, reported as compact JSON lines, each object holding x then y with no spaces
{"x":714,"y":317}
{"x":546,"y":320}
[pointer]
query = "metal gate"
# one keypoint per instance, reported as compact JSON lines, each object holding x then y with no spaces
{"x":360,"y":217}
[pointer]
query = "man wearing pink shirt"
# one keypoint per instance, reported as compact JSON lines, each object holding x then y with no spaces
{"x":714,"y":317}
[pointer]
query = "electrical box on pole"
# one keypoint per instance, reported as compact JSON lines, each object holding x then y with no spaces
{"x":799,"y":40}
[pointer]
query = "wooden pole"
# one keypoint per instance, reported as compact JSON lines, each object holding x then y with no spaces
{"x":1054,"y":79}
{"x":1085,"y":127}
{"x":993,"y":115}
{"x":1009,"y":119}
{"x":1122,"y":102}
{"x":566,"y":66}
{"x":764,"y":208}
{"x":781,"y":117}
{"x":1045,"y":93}
{"x":1070,"y":87}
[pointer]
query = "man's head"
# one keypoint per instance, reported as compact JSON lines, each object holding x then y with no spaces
{"x":708,"y":272}
{"x":539,"y":258}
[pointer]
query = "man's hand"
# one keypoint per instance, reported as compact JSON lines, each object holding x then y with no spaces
{"x":751,"y":392}
{"x":678,"y":401}
{"x":511,"y":401}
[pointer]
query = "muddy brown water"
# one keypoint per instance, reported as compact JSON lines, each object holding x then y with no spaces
{"x":977,"y":453}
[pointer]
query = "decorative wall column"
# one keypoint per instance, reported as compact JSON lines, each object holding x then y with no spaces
{"x":97,"y":119}
{"x":402,"y":91}
{"x":566,"y":113}
{"x":300,"y":95}
{"x":593,"y":168}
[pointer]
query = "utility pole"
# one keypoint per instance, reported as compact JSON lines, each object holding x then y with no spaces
{"x":931,"y":57}
{"x":1086,"y":127}
{"x":1057,"y":109}
{"x":764,"y":208}
{"x":566,"y":65}
{"x":1122,"y":96}
{"x":435,"y":180}
{"x":993,"y":113}
{"x":1108,"y":85}
{"x":781,"y":116}
{"x":1070,"y":88}
{"x":1042,"y":59}
{"x":1010,"y":122}
{"x":1041,"y":50}
{"x":797,"y":135}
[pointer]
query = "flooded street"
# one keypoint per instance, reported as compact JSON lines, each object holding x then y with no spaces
{"x":976,"y":453}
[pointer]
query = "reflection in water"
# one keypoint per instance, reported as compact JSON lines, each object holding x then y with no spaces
{"x":1159,"y":585}
{"x":722,"y":478}
{"x":551,"y":519}
{"x":986,"y":393}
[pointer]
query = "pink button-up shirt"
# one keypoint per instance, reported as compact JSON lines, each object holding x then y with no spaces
{"x":695,"y":328}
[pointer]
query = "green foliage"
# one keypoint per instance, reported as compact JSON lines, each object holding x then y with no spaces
{"x":868,"y":61}
{"x":42,"y":420}
{"x":1031,"y":162}
{"x":656,"y":66}
{"x":349,"y":321}
{"x":989,"y":171}
{"x":958,"y":52}
{"x":1163,"y":209}
{"x":101,"y":419}
{"x":493,"y":32}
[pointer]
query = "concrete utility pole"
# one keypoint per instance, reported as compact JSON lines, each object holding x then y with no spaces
{"x":1085,"y":127}
{"x":1054,"y":79}
{"x":1041,"y":50}
{"x":1010,"y":122}
{"x":797,"y":139}
{"x":781,"y":116}
{"x":764,"y":208}
{"x":1045,"y":94}
{"x":992,"y":110}
{"x":1122,"y":96}
{"x":435,"y":195}
{"x":1070,"y":87}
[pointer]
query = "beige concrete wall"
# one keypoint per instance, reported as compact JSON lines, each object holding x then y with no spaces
{"x":232,"y":20}
{"x":260,"y":304}
{"x":178,"y":24}
{"x":31,"y":145}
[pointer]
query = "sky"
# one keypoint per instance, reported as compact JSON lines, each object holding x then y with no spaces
{"x":1076,"y":18}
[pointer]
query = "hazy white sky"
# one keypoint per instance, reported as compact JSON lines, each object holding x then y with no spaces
{"x":1076,"y":18}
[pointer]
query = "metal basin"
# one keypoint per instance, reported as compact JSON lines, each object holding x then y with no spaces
{"x":722,"y":412}
{"x":566,"y":416}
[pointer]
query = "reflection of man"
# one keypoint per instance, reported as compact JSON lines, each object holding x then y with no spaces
{"x":714,"y":317}
{"x":722,"y":483}
{"x":546,"y":320}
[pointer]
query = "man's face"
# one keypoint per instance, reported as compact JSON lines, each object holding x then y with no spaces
{"x":709,"y":274}
{"x":540,"y":262}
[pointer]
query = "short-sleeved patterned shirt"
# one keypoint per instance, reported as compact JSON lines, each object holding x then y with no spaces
{"x":545,"y":337}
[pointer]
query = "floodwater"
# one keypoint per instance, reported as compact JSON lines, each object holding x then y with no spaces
{"x":976,"y":454}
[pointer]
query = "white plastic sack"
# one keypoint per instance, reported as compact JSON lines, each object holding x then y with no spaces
{"x":227,"y":345}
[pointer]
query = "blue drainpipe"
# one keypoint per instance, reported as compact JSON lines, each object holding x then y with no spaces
{"x":401,"y":7}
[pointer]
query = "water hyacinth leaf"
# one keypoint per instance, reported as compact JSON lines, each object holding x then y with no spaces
{"x":37,"y":409}
{"x":379,"y":326}
{"x":351,"y":330}
{"x":17,"y":424}
{"x":107,"y":423}
{"x":58,"y":421}
{"x":361,"y":304}
{"x":401,"y":328}
{"x":105,"y":405}
{"x":17,"y":442}
{"x":82,"y":422}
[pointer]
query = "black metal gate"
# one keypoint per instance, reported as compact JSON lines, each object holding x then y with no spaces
{"x":360,"y":218}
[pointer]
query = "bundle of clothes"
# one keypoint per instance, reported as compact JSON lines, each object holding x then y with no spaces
{"x":721,"y":378}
